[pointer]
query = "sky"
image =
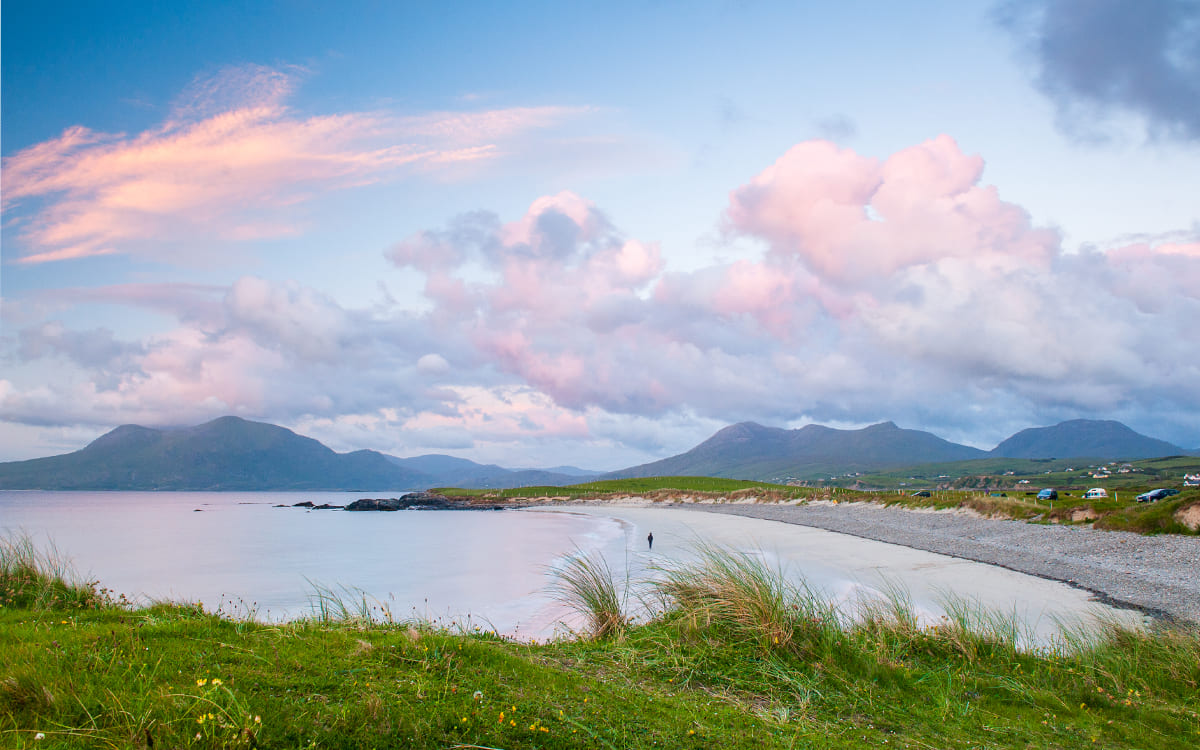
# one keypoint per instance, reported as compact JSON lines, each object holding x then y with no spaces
{"x":594,"y":233}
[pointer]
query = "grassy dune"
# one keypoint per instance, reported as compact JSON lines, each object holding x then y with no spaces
{"x":1118,"y":512}
{"x":609,"y":487}
{"x":733,"y":657}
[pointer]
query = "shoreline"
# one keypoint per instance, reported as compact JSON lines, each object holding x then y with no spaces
{"x":1155,"y":575}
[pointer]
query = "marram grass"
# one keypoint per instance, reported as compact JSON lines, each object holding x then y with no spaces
{"x":705,"y":671}
{"x":586,"y":584}
{"x":42,"y":580}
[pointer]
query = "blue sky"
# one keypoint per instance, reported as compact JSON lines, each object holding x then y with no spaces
{"x":594,"y":233}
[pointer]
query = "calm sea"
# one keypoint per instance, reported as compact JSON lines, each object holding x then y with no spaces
{"x":237,"y":551}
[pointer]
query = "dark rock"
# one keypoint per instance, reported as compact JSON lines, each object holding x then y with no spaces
{"x":305,"y":504}
{"x":368,"y":503}
{"x":420,"y":500}
{"x":327,"y":506}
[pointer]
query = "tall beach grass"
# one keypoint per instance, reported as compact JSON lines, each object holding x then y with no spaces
{"x":585,"y":584}
{"x":43,"y":579}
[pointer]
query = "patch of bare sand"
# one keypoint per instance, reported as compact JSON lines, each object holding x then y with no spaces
{"x":1189,"y":516}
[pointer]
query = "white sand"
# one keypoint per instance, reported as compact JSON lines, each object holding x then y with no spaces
{"x":846,"y":568}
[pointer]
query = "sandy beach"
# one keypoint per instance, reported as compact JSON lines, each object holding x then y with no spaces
{"x":1156,"y":574}
{"x":849,"y":569}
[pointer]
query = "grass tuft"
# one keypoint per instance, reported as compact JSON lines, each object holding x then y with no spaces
{"x":585,"y":584}
{"x":23,"y":692}
{"x":736,"y":590}
{"x":43,"y":580}
{"x":348,"y":606}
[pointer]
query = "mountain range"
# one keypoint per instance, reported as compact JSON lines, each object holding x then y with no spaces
{"x":752,"y":451}
{"x":231,"y":453}
{"x":235,"y":454}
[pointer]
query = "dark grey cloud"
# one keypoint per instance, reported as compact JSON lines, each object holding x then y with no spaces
{"x":1097,"y":58}
{"x":96,"y":348}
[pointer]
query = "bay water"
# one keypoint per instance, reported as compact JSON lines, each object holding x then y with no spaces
{"x":239,"y":553}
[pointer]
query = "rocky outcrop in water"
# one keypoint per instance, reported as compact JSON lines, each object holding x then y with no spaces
{"x":421,"y":500}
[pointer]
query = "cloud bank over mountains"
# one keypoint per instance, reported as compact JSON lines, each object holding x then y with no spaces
{"x":899,"y":288}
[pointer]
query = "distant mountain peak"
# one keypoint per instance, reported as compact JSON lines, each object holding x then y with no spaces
{"x":123,"y":437}
{"x":1084,"y":438}
{"x":748,"y":450}
{"x":228,"y":453}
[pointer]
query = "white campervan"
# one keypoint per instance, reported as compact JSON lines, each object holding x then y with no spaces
{"x":1095,"y":492}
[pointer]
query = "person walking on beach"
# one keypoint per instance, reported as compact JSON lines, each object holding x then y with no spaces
{"x":650,"y":539}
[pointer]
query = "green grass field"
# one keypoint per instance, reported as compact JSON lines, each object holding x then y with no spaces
{"x":1006,"y":473}
{"x":1117,"y":512}
{"x":734,"y":659}
{"x":629,"y":487}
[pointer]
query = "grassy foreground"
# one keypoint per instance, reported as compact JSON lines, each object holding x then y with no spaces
{"x":734,"y":657}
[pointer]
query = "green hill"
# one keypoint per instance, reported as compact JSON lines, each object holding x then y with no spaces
{"x":751,"y":451}
{"x":225,"y":454}
{"x":1088,"y":438}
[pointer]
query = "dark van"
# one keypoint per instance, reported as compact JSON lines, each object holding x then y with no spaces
{"x":1048,"y":494}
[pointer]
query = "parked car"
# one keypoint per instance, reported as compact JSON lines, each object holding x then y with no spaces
{"x":1095,"y":492}
{"x":1048,"y":494}
{"x":997,"y":494}
{"x":920,"y":493}
{"x":1153,"y":496}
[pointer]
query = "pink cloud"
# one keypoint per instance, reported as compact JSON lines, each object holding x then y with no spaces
{"x":905,"y":265}
{"x":526,"y":230}
{"x":756,"y":289}
{"x":228,"y":165}
{"x":506,"y":413}
{"x":851,"y":219}
{"x":895,"y":288}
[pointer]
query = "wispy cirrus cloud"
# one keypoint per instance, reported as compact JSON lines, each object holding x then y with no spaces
{"x":231,"y":163}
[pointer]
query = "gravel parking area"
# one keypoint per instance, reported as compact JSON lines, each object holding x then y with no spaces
{"x":1157,"y":574}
